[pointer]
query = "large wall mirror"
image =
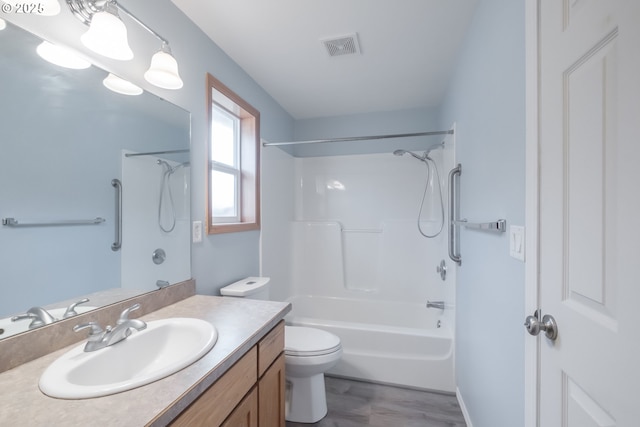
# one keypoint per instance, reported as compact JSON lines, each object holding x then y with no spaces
{"x":64,"y":139}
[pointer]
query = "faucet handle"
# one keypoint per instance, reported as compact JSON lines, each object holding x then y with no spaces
{"x":71,"y":310}
{"x":23,"y":316}
{"x":124,"y":316}
{"x":95,"y":328}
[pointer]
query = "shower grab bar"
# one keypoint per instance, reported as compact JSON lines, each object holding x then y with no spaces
{"x":12,"y":222}
{"x":118,"y":186}
{"x":499,"y":225}
{"x":453,"y":209}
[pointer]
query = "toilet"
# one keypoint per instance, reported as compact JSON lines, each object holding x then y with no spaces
{"x":308,"y":354}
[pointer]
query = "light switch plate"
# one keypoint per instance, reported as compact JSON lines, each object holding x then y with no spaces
{"x":516,"y":241}
{"x":196,"y":231}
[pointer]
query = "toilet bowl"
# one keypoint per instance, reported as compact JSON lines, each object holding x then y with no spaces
{"x":308,"y":354}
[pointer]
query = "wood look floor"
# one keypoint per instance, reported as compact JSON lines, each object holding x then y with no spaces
{"x":360,"y":404}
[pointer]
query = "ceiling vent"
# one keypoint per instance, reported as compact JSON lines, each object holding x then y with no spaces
{"x":344,"y":45}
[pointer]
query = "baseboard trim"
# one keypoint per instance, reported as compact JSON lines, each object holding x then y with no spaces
{"x":463,"y":408}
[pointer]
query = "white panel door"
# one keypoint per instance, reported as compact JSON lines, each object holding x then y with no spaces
{"x":589,"y":244}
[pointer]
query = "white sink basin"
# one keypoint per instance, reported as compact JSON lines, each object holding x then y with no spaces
{"x":163,"y":348}
{"x":8,"y":328}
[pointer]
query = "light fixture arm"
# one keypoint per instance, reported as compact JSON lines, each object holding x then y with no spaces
{"x":142,"y":24}
{"x":85,"y":9}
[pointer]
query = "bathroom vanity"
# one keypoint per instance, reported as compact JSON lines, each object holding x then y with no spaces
{"x":239,"y":382}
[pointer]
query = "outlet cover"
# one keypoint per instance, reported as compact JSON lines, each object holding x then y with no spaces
{"x":196,"y":231}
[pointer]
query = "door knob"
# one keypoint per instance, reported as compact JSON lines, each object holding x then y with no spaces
{"x":547,"y":324}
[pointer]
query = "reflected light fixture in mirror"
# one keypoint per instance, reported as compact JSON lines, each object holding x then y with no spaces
{"x":120,"y":85}
{"x":103,"y":14}
{"x":61,"y":56}
{"x":107,"y":34}
{"x":42,"y":7}
{"x":3,"y":24}
{"x":163,"y":71}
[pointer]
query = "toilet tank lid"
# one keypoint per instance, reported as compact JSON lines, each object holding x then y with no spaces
{"x":245,"y":287}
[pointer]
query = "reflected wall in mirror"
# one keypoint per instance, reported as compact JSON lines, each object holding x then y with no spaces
{"x":63,"y":138}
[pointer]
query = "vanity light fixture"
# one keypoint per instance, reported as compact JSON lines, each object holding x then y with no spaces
{"x":163,"y":71}
{"x":120,"y":85}
{"x":3,"y":24}
{"x":61,"y":56}
{"x":107,"y":34}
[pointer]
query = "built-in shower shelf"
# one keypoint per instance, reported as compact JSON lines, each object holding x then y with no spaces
{"x":12,"y":222}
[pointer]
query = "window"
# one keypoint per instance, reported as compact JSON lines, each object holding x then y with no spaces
{"x":233,"y":187}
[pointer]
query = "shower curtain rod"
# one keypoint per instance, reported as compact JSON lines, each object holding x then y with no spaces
{"x":359,"y":138}
{"x":151,"y":153}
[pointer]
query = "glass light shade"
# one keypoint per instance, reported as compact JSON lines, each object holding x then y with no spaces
{"x":163,"y":71}
{"x":107,"y":35}
{"x":3,"y":24}
{"x":61,"y":56}
{"x":120,"y":85}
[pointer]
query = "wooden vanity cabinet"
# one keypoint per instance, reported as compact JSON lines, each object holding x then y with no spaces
{"x":250,"y":394}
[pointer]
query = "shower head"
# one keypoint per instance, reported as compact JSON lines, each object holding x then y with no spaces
{"x":172,"y":169}
{"x":403,"y":152}
{"x":433,"y":147}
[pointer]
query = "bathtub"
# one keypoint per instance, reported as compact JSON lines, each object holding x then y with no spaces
{"x":403,"y":344}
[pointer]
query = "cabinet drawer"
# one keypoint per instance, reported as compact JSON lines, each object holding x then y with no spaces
{"x":215,"y":404}
{"x":270,"y":347}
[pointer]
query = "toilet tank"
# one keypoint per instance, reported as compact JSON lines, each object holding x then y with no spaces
{"x":251,"y":287}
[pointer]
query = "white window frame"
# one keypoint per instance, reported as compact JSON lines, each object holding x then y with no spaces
{"x":235,"y":170}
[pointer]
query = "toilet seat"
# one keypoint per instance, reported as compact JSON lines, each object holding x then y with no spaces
{"x":301,"y":341}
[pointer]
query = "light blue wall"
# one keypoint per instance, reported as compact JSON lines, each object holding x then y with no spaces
{"x":486,"y":98}
{"x":220,"y":259}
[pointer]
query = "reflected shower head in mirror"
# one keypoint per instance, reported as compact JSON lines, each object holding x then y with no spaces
{"x":172,"y":169}
{"x":165,"y":188}
{"x":433,"y":147}
{"x":403,"y":152}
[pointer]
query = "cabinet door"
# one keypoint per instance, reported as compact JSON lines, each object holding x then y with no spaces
{"x":246,"y":413}
{"x":271,"y":395}
{"x":215,"y":404}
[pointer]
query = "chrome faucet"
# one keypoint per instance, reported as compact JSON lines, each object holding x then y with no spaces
{"x":435,"y":304}
{"x":100,"y":338}
{"x":38,"y":315}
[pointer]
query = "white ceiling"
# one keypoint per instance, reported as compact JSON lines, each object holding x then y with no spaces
{"x":408,"y":50}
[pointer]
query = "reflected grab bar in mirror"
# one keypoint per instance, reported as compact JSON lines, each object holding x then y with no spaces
{"x":118,"y":186}
{"x":12,"y":222}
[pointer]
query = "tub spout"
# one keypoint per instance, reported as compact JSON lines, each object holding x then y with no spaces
{"x":435,"y":304}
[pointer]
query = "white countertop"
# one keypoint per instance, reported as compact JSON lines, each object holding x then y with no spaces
{"x":241,"y":323}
